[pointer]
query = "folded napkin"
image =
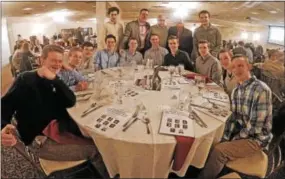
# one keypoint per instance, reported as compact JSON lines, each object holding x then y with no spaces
{"x":52,"y":131}
{"x":192,"y":76}
{"x":182,"y":149}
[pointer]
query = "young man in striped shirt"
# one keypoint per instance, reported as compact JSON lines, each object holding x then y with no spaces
{"x":248,"y":130}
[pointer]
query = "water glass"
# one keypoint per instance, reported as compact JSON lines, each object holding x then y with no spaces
{"x":183,"y":96}
{"x":171,"y":72}
{"x":200,"y":82}
{"x":181,"y":69}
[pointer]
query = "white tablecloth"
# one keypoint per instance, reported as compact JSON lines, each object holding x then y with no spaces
{"x":134,"y":153}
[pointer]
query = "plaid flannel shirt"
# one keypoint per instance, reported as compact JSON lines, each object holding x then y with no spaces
{"x":252,"y":113}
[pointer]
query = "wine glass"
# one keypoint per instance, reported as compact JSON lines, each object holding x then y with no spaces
{"x":201,"y":83}
{"x":171,"y":72}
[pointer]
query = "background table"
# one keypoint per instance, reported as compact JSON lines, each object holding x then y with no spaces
{"x":134,"y":153}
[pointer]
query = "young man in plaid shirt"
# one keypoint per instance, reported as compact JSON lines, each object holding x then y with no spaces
{"x":248,"y":130}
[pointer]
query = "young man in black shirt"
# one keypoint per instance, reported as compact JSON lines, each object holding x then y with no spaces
{"x":176,"y":56}
{"x":38,"y":98}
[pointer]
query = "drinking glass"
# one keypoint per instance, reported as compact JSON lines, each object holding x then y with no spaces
{"x":171,"y":72}
{"x":183,"y":95}
{"x":201,"y":83}
{"x":181,"y":69}
{"x":119,"y":92}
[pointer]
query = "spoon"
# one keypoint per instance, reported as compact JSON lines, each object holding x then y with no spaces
{"x":146,"y":121}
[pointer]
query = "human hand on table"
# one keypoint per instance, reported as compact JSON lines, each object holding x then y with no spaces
{"x":83,"y":85}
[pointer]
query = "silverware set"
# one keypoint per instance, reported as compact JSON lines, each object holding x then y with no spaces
{"x":194,"y":116}
{"x":134,"y":118}
{"x":92,"y":108}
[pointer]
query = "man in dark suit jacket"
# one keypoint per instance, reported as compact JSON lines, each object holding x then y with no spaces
{"x":138,"y":29}
{"x":184,"y":35}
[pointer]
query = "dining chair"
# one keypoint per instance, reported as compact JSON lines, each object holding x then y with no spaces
{"x":255,"y":165}
{"x":275,"y":84}
{"x":54,"y":169}
{"x":232,"y":175}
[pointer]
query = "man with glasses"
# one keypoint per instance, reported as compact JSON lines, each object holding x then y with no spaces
{"x":161,"y":30}
{"x":88,"y":51}
{"x":138,"y":29}
{"x":113,"y":26}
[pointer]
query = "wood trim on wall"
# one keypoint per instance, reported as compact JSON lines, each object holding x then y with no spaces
{"x":6,"y":79}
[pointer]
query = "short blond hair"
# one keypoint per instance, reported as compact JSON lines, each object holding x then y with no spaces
{"x":51,"y":48}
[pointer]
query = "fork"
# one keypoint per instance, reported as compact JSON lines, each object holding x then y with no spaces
{"x":135,"y":114}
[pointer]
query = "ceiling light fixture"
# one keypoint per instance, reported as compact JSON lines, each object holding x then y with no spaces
{"x":60,"y":16}
{"x":273,"y":12}
{"x":27,"y":9}
{"x":244,"y":35}
{"x":187,"y":5}
{"x":256,"y":36}
{"x":254,"y":13}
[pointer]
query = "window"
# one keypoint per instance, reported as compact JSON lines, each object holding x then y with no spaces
{"x":276,"y":35}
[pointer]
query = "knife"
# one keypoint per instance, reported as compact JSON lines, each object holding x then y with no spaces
{"x":198,"y":117}
{"x":130,"y":124}
{"x":93,"y":109}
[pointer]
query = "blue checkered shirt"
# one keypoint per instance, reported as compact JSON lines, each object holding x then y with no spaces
{"x":71,"y":78}
{"x":251,"y":113}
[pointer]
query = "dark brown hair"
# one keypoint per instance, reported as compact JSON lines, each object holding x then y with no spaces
{"x":203,"y":42}
{"x":110,"y":36}
{"x":225,"y":50}
{"x":144,"y":9}
{"x":172,"y":37}
{"x":111,"y":9}
{"x":204,"y":12}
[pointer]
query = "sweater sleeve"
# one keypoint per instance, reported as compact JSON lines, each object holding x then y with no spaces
{"x":65,"y":95}
{"x":9,"y":102}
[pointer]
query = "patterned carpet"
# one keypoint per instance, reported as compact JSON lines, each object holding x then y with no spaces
{"x":14,"y":165}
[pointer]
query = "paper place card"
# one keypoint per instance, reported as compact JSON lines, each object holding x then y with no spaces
{"x":219,"y":114}
{"x":175,"y":122}
{"x":216,"y":96}
{"x":110,"y":122}
{"x":174,"y":84}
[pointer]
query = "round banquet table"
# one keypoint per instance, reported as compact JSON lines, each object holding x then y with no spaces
{"x":136,"y":154}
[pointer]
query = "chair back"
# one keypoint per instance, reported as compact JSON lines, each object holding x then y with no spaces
{"x":275,"y":84}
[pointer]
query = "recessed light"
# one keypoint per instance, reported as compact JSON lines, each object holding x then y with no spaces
{"x":273,"y":12}
{"x":27,"y":9}
{"x":254,"y":13}
{"x":235,"y":7}
{"x":43,"y":5}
